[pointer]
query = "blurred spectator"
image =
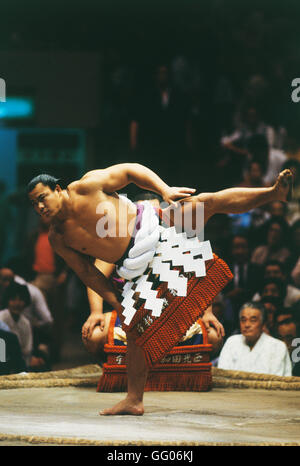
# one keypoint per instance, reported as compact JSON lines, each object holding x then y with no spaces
{"x":47,"y":269}
{"x":295,"y":274}
{"x":294,"y":260}
{"x":182,"y":73}
{"x":202,"y":127}
{"x":259,"y":217}
{"x":159,"y":124}
{"x":249,"y":123}
{"x":50,"y":276}
{"x":271,"y":159}
{"x":16,"y":298}
{"x":247,"y":275}
{"x":118,"y":83}
{"x":287,"y":330}
{"x":4,"y":327}
{"x":278,"y":209}
{"x":253,"y":141}
{"x":14,"y":362}
{"x":292,"y":139}
{"x":218,"y":230}
{"x":5,"y":217}
{"x":76,"y":307}
{"x":223,"y":97}
{"x":295,"y":309}
{"x":253,"y":178}
{"x":277,"y":270}
{"x":222,"y":309}
{"x":36,"y":312}
{"x":293,"y":206}
{"x":276,"y":236}
{"x":273,"y":305}
{"x":273,"y":287}
{"x":253,"y":350}
{"x":256,"y":87}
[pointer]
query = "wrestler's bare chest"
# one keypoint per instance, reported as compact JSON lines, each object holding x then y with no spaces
{"x":99,"y":227}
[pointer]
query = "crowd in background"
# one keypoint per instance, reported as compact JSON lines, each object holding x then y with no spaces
{"x":230,"y":79}
{"x":198,"y":121}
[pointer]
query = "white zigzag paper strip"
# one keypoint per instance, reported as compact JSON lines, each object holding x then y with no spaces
{"x":173,"y":247}
{"x":152,"y":302}
{"x":169,"y":276}
{"x":128,"y":303}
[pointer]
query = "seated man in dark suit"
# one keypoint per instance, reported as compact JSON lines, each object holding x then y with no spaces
{"x":247,"y":275}
{"x":277,"y":270}
{"x":287,"y":329}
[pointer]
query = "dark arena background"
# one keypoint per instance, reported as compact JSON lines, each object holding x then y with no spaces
{"x":204,"y":93}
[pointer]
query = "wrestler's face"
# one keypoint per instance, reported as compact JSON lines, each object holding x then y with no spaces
{"x":46,"y":202}
{"x":251,"y":324}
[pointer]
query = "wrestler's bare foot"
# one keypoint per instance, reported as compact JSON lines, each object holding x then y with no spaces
{"x":283,"y":185}
{"x":126,"y":406}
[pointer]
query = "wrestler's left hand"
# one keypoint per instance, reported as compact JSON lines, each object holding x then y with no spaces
{"x":93,"y":320}
{"x":171,"y":194}
{"x":210,"y":320}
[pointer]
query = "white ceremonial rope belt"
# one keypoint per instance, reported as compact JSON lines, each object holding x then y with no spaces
{"x":155,"y":245}
{"x":144,"y":248}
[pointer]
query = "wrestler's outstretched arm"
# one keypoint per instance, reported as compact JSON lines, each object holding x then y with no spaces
{"x":86,"y":270}
{"x":116,"y":177}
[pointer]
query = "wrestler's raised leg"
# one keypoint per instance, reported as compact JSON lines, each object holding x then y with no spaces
{"x":137,"y":375}
{"x":240,"y":200}
{"x":233,"y":200}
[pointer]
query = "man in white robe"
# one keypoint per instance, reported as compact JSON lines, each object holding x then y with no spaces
{"x":253,"y":350}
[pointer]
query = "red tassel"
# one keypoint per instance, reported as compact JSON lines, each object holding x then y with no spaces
{"x":113,"y":379}
{"x":187,"y":378}
{"x":180,"y":382}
